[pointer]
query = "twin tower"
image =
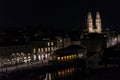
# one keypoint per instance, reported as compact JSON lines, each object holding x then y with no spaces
{"x":94,"y":28}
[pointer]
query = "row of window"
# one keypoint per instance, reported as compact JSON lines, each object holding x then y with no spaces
{"x":50,"y":43}
{"x":65,"y":58}
{"x":43,"y":49}
{"x":66,"y":72}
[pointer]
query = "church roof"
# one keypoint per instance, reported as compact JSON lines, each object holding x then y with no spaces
{"x":69,"y":50}
{"x":93,"y":36}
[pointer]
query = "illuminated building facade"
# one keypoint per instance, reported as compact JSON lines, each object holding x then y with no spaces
{"x":34,"y":51}
{"x":90,"y":25}
{"x":70,"y":53}
{"x":112,"y":38}
{"x":63,"y":41}
{"x":42,"y":50}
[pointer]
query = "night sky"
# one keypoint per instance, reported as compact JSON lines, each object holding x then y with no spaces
{"x":70,"y":13}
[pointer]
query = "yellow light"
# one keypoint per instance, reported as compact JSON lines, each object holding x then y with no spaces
{"x":64,"y":57}
{"x":67,"y":57}
{"x":75,"y":56}
{"x":63,"y":72}
{"x":58,"y":58}
{"x":68,"y":71}
{"x":70,"y":56}
{"x":59,"y":73}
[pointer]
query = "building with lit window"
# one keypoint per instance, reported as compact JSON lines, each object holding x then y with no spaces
{"x":112,"y":38}
{"x":43,"y":49}
{"x":63,"y":41}
{"x":69,"y":54}
{"x":15,"y":54}
{"x":33,"y":51}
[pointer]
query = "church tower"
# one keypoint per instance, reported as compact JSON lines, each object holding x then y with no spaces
{"x":98,"y":22}
{"x":94,"y":28}
{"x":90,"y":22}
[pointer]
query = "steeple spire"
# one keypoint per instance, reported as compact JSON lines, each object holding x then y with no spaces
{"x":90,"y":26}
{"x":90,"y":22}
{"x":97,"y":15}
{"x":98,"y":22}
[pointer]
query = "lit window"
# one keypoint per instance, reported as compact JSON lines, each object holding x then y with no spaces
{"x":48,"y":48}
{"x":22,"y":53}
{"x":34,"y":57}
{"x":46,"y":56}
{"x":68,"y":70}
{"x":58,"y":58}
{"x":39,"y":57}
{"x":13,"y":54}
{"x":18,"y":54}
{"x":60,"y":40}
{"x":67,"y":57}
{"x":51,"y":43}
{"x":34,"y":50}
{"x":63,"y":72}
{"x":59,"y":73}
{"x":51,"y":48}
{"x":48,"y":43}
{"x":80,"y":55}
{"x":64,"y":57}
{"x":75,"y":56}
{"x":38,"y":50}
{"x":42,"y":50}
{"x":70,"y":56}
{"x":42,"y":56}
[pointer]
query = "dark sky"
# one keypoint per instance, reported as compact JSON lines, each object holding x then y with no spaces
{"x":59,"y":12}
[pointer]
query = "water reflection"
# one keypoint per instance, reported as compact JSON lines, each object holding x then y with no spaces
{"x":65,"y":72}
{"x":46,"y":76}
{"x":60,"y":74}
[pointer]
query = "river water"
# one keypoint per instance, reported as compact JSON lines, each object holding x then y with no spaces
{"x":71,"y":72}
{"x":68,"y":72}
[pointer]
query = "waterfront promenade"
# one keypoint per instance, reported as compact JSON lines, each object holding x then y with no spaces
{"x":9,"y":72}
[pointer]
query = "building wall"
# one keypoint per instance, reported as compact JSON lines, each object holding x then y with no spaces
{"x":33,"y":50}
{"x":92,"y":45}
{"x":63,"y":42}
{"x":93,"y":61}
{"x":76,"y":42}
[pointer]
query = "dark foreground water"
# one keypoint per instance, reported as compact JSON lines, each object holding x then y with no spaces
{"x":71,"y":72}
{"x":68,"y":72}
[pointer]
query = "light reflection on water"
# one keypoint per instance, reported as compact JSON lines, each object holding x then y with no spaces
{"x":60,"y":74}
{"x":65,"y":72}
